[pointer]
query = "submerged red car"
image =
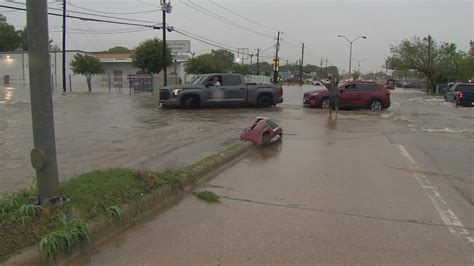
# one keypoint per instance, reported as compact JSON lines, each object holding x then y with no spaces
{"x":263,"y":131}
{"x":358,"y":94}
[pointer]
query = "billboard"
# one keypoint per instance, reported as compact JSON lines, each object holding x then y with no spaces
{"x":179,"y":46}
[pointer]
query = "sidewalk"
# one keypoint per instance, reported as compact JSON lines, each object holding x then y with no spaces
{"x":334,"y":192}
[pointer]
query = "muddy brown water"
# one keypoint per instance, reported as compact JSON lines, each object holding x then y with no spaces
{"x":103,"y":130}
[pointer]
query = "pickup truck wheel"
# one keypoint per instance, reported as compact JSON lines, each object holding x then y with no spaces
{"x":376,"y":105}
{"x":190,"y":102}
{"x":264,"y":101}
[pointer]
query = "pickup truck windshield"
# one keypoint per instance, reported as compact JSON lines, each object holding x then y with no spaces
{"x":199,"y":80}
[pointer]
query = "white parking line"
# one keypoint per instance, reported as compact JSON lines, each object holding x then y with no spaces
{"x":447,"y":215}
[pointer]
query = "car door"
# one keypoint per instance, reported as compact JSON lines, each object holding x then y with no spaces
{"x":349,"y":95}
{"x":215,"y":93}
{"x":366,"y":93}
{"x":235,"y":89}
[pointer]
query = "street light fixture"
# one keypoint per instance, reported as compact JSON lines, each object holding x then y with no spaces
{"x":350,"y":53}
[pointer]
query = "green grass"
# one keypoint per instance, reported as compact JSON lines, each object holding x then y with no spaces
{"x":208,"y":196}
{"x":91,"y":196}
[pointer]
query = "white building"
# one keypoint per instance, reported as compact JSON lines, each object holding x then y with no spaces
{"x":117,"y":66}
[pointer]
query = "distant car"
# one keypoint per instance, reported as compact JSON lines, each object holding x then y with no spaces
{"x":461,"y":94}
{"x":317,"y":83}
{"x":262,"y":132}
{"x":353,"y":95}
{"x":390,"y":84}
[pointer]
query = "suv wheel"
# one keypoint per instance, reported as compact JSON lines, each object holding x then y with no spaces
{"x":376,"y":105}
{"x":325,"y":104}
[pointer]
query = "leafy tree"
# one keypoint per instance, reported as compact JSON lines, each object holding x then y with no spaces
{"x":119,"y":49}
{"x":9,"y":39}
{"x":355,"y":75}
{"x":241,"y":69}
{"x":148,"y":56}
{"x":224,"y":59}
{"x":219,"y":61}
{"x":88,"y":66}
{"x":413,"y":54}
{"x":202,"y":64}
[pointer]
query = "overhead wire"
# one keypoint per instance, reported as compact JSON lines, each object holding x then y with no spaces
{"x":179,"y":31}
{"x":222,"y":19}
{"x":242,"y":17}
{"x":115,"y":13}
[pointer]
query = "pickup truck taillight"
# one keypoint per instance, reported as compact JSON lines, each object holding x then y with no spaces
{"x":281,"y":92}
{"x":461,"y":96}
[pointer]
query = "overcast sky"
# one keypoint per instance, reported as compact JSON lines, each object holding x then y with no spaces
{"x":316,"y":23}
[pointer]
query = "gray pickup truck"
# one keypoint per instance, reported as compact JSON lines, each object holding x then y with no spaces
{"x":220,"y":89}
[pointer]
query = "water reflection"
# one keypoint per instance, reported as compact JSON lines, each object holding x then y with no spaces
{"x":7,"y":95}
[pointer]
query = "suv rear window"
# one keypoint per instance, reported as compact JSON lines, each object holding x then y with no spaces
{"x":465,"y":87}
{"x":366,"y":87}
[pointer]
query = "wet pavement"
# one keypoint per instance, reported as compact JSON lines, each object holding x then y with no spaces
{"x":387,"y":187}
{"x":359,"y":189}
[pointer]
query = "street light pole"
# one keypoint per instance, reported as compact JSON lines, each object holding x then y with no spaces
{"x":350,"y":53}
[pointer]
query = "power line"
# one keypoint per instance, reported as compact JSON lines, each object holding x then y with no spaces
{"x":116,"y":13}
{"x":90,"y":19}
{"x":95,"y":15}
{"x":223,"y":19}
{"x":240,"y":16}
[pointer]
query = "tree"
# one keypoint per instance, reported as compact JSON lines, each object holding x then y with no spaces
{"x":202,"y":64}
{"x":223,"y":59}
{"x":119,"y":49}
{"x":355,"y":75}
{"x":88,"y":66}
{"x":218,"y":61}
{"x":9,"y":39}
{"x":148,"y":56}
{"x":414,"y":54}
{"x":241,"y":69}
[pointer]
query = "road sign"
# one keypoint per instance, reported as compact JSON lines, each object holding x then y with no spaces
{"x":179,"y":46}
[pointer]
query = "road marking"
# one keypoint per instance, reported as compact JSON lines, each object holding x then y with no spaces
{"x":447,"y":215}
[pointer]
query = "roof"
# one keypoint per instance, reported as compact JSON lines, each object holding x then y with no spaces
{"x":25,"y":52}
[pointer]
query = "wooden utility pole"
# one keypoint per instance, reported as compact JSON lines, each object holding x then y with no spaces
{"x":275,"y":67}
{"x":258,"y":63}
{"x":302,"y":65}
{"x":430,"y":72}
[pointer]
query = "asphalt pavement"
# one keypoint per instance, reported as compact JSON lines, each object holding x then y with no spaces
{"x":365,"y":188}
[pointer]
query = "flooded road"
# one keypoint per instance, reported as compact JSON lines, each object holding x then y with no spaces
{"x":105,"y":130}
{"x":364,"y":188}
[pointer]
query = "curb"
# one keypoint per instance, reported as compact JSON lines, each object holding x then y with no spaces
{"x":163,"y":197}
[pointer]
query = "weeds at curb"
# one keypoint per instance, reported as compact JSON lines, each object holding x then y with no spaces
{"x":208,"y":196}
{"x":115,"y":212}
{"x":63,"y":239}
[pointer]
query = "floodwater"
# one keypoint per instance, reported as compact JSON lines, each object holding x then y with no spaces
{"x":103,"y":130}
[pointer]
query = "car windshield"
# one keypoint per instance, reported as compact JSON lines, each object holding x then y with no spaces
{"x":227,"y":132}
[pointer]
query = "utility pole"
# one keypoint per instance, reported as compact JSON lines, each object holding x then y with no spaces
{"x":275,"y":67}
{"x":43,"y":155}
{"x":251,"y":56}
{"x":64,"y":46}
{"x":428,"y":83}
{"x":258,"y":63}
{"x":321,"y":69}
{"x":302,"y":58}
{"x":166,"y":8}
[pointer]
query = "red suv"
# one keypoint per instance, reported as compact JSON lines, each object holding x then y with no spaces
{"x":353,"y":95}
